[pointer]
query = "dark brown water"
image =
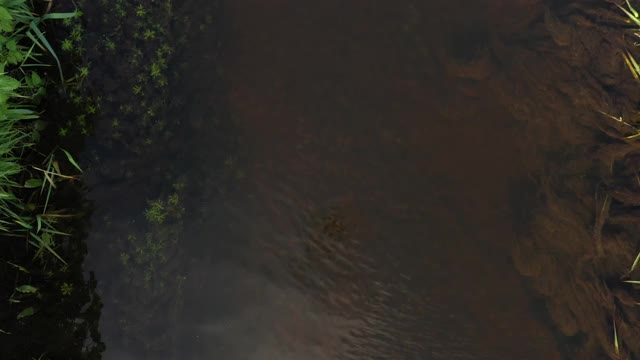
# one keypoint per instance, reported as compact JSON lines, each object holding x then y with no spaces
{"x":375,"y":196}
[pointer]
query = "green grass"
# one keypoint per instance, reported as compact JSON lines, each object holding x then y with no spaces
{"x":26,"y":188}
{"x":29,"y":220}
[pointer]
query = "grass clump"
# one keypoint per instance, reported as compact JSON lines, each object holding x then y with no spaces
{"x":20,"y":91}
{"x":37,"y":257}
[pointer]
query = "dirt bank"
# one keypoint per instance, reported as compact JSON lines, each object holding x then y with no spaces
{"x":582,"y":238}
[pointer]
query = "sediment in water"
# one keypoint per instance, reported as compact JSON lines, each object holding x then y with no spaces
{"x":582,"y":238}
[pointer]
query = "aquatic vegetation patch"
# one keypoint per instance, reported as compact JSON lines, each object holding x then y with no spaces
{"x":126,"y":77}
{"x":152,"y":274}
{"x":125,"y":88}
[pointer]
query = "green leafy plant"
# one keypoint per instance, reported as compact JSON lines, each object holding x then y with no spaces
{"x":156,"y":213}
{"x":66,"y":289}
{"x":43,"y":258}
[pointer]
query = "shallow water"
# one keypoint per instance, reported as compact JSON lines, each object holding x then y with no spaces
{"x":369,"y":204}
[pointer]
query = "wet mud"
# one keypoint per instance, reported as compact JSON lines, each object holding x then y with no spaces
{"x":577,"y":250}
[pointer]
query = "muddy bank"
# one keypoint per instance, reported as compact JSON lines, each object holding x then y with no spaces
{"x":582,"y":237}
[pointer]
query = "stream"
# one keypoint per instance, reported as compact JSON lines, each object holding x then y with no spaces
{"x":367,"y":207}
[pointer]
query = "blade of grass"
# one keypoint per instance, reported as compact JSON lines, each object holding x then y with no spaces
{"x":616,"y":345}
{"x":635,"y":13}
{"x":18,"y":267}
{"x":41,"y":243}
{"x":631,"y":64}
{"x":60,"y":16}
{"x":71,"y":160}
{"x":618,"y":119}
{"x":630,"y":15}
{"x":36,"y":30}
{"x":55,"y":232}
{"x":46,"y":202}
{"x":635,"y":263}
{"x":634,"y":136}
{"x":23,"y":223}
{"x":56,"y":173}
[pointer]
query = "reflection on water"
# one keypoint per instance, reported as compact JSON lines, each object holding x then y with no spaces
{"x":369,"y":216}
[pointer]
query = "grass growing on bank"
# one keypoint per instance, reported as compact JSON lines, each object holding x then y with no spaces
{"x":28,"y":219}
{"x":21,"y":89}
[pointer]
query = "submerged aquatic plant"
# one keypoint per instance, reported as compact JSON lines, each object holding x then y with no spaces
{"x":156,"y":213}
{"x":66,"y":289}
{"x":141,"y":33}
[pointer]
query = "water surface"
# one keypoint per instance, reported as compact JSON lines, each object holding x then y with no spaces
{"x":367,"y":209}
